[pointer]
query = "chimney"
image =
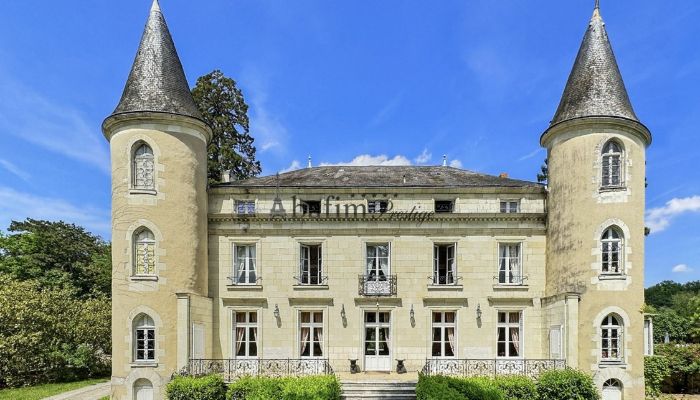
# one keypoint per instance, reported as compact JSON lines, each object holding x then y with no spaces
{"x":226,"y":176}
{"x":308,"y":164}
{"x":503,"y":175}
{"x":444,"y":160}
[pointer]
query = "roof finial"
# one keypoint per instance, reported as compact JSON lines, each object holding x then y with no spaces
{"x":597,"y":4}
{"x":444,"y":160}
{"x":308,"y":164}
{"x":155,"y":6}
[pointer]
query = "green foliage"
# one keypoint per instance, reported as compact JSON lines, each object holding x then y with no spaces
{"x":48,"y":335}
{"x":210,"y":387}
{"x":517,"y":387}
{"x":566,"y":384}
{"x":656,"y":370}
{"x":222,"y":106}
{"x":667,"y":320}
{"x":476,"y":388}
{"x":543,"y":175}
{"x":43,"y":391}
{"x":304,"y":388}
{"x":57,"y":254}
{"x":436,"y":388}
{"x":683,"y":362}
{"x":662,"y":294}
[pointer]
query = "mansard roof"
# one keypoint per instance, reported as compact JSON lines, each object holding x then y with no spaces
{"x":382,"y":176}
{"x":157,"y":82}
{"x":595,"y":87}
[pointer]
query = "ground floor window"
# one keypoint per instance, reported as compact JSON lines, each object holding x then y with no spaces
{"x":246,"y":334}
{"x":311,"y":334}
{"x":509,"y":333}
{"x":443,"y":334}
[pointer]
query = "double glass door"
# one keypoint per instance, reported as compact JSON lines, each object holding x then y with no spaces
{"x":377,"y":341}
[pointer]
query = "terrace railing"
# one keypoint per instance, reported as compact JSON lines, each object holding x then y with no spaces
{"x":490,"y":367}
{"x":231,"y":369}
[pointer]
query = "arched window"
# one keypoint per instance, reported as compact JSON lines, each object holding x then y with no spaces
{"x":143,"y":389}
{"x":612,"y":165}
{"x":144,"y":252}
{"x":611,"y":338}
{"x":143,"y":168}
{"x":144,"y":338}
{"x":611,"y":249}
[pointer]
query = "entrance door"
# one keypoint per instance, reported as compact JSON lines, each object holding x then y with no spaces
{"x":377,"y":341}
{"x":143,"y":390}
{"x":612,"y":390}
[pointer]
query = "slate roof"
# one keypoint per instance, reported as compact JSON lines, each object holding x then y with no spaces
{"x":382,"y":176}
{"x":595,"y":87}
{"x":157,"y":82}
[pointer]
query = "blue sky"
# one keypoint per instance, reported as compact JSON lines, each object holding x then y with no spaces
{"x":370,"y":81}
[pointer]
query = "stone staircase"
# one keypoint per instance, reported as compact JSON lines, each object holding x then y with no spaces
{"x":378,"y":390}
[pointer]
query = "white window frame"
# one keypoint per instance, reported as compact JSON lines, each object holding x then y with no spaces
{"x":143,"y":160}
{"x":607,"y":238}
{"x":144,"y":324}
{"x":146,"y":248}
{"x":375,"y":206}
{"x":377,"y":258}
{"x":506,"y":206}
{"x":245,"y":207}
{"x":313,"y":328}
{"x":443,"y":326}
{"x":507,"y":325}
{"x":250,"y":265}
{"x":246,"y":339}
{"x":509,"y":278}
{"x":609,"y":327}
{"x":305,"y":264}
{"x":451,"y":266}
{"x":608,"y":158}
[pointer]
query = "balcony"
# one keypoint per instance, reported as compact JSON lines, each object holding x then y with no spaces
{"x":231,"y":369}
{"x":374,"y":285}
{"x":490,"y":367}
{"x":503,"y":279}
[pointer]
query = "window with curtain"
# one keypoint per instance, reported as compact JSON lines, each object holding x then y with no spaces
{"x":611,"y":249}
{"x":611,"y":338}
{"x":443,"y":334}
{"x":245,"y":330}
{"x":144,"y":338}
{"x":509,"y":264}
{"x":509,"y":333}
{"x":311,"y":334}
{"x":311,"y":265}
{"x":144,"y":252}
{"x":244,"y":265}
{"x":611,"y":174}
{"x":444,"y":270}
{"x":143,"y":168}
{"x":377,"y":262}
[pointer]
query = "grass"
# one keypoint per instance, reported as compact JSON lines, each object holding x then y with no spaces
{"x":49,"y":389}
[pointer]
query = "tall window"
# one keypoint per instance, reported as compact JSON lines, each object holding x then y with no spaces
{"x":611,"y":338}
{"x":612,"y":164}
{"x":244,"y":264}
{"x":311,"y":265}
{"x":611,"y":248}
{"x":144,"y":338}
{"x":144,"y":252}
{"x":377,"y":262}
{"x":444,"y":264}
{"x":311,"y":334}
{"x":509,"y":333}
{"x":143,"y":168}
{"x":509,"y":264}
{"x":246,"y":334}
{"x":443,"y":334}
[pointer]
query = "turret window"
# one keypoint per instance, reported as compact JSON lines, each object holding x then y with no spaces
{"x":611,"y":249}
{"x":611,"y":174}
{"x":144,"y":252}
{"x":143,"y":168}
{"x":144,"y":339}
{"x":611,"y":338}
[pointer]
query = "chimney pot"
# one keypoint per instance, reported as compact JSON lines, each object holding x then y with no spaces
{"x":503,"y":175}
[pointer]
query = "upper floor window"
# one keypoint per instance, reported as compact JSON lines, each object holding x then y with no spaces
{"x":509,"y":333}
{"x":144,"y":338}
{"x":245,"y":329}
{"x":510,"y":271}
{"x":611,"y":338}
{"x":444,"y":206}
{"x":245,"y":207}
{"x":611,"y":248}
{"x":510,"y":206}
{"x":143,"y":168}
{"x":444,"y":269}
{"x":244,"y":265}
{"x":611,"y":174}
{"x":377,"y":206}
{"x":311,"y":265}
{"x":443,"y":334}
{"x":377,"y":262}
{"x":311,"y":334}
{"x":144,"y":252}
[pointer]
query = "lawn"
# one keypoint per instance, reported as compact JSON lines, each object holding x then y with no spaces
{"x":41,"y":391}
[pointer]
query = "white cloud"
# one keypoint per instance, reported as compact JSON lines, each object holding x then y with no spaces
{"x":423,"y":157}
{"x":19,"y":206}
{"x":366,"y":159}
{"x":293,"y":166}
{"x":659,"y":218}
{"x":681,"y":268}
{"x":15,"y":170}
{"x":531,"y":154}
{"x":456,"y":164}
{"x":29,"y":115}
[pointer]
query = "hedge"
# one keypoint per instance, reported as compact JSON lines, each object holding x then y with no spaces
{"x":326,"y":387}
{"x":568,"y":384}
{"x":210,"y":387}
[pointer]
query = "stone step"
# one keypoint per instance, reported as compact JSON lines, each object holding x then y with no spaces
{"x":365,"y":389}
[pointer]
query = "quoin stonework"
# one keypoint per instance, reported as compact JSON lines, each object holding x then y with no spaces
{"x":377,"y":268}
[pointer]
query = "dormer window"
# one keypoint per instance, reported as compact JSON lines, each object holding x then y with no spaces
{"x":143,"y":168}
{"x":510,"y":206}
{"x":245,"y":207}
{"x":611,"y":173}
{"x":311,"y":207}
{"x":377,"y":206}
{"x":444,"y":206}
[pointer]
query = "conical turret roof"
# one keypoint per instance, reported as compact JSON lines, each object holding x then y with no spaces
{"x":595,"y":87}
{"x":157,"y":82}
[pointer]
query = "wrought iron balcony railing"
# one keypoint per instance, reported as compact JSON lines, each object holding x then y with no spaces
{"x":231,"y":369}
{"x":510,"y":279}
{"x":312,"y":280}
{"x":374,"y":285}
{"x":490,"y":367}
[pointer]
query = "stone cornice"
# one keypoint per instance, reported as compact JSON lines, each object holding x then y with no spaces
{"x":398,"y":219}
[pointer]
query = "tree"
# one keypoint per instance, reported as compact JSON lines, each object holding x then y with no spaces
{"x":56,"y":254}
{"x":661,"y":294}
{"x":543,"y":176}
{"x":222,"y":106}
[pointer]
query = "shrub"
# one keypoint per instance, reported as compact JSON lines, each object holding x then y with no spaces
{"x":476,"y":388}
{"x":435,"y":388}
{"x":656,"y":370}
{"x":210,"y":387}
{"x":684,"y":364}
{"x":304,"y":388}
{"x":566,"y":384}
{"x":517,"y":387}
